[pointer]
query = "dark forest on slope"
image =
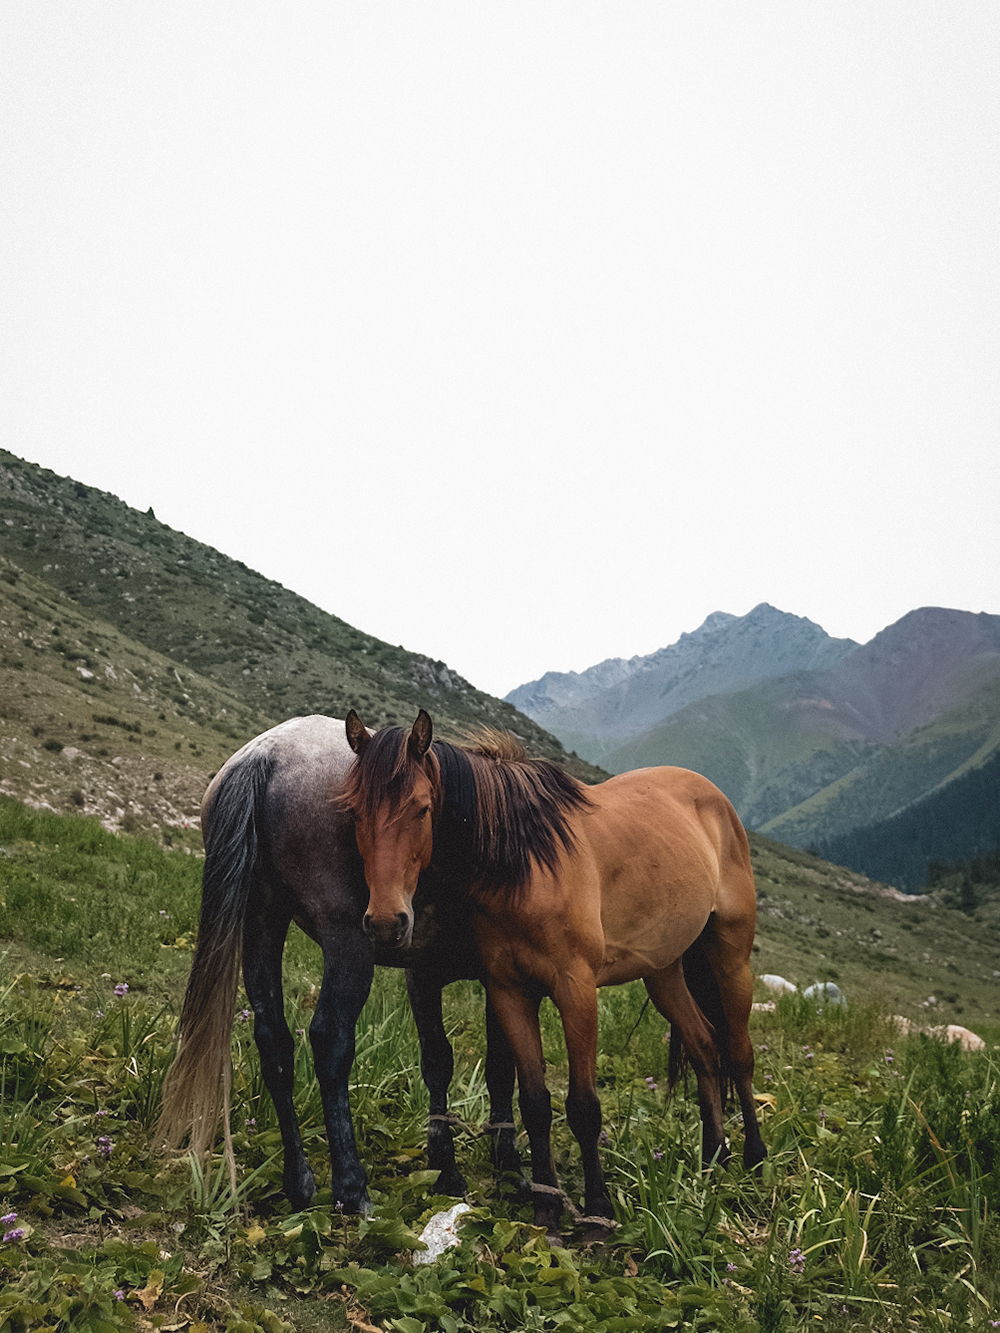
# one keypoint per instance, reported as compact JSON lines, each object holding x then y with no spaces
{"x":958,"y":823}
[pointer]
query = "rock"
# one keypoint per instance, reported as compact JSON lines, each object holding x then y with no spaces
{"x":825,"y":992}
{"x":440,"y":1234}
{"x":778,"y":984}
{"x":952,"y":1032}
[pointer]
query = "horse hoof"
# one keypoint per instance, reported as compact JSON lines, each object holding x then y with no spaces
{"x":452,"y":1183}
{"x":300,"y":1190}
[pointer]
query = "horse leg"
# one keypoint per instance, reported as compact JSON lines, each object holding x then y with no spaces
{"x":263,"y":942}
{"x":517,"y":1014}
{"x":500,"y":1082}
{"x":576,"y":1001}
{"x":668,"y":991}
{"x":437,"y":1064}
{"x":730,"y":962}
{"x":348,"y":968}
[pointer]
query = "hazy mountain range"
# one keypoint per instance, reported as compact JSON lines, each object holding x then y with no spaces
{"x":808,"y":735}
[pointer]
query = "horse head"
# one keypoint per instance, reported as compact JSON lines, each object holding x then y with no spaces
{"x":393,"y":791}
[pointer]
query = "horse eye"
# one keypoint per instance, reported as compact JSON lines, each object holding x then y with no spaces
{"x":425,"y":811}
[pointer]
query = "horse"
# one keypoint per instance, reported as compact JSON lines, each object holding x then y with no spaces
{"x":279,"y":849}
{"x":646,"y":875}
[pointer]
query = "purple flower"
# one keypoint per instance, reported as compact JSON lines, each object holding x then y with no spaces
{"x":809,"y":1055}
{"x":251,"y":1123}
{"x":603,"y":1137}
{"x":657,"y":1156}
{"x":797,"y":1261}
{"x":105,"y":1146}
{"x":8,"y":1219}
{"x":730,"y":1268}
{"x":99,"y":1114}
{"x":650,"y":1083}
{"x":121,"y":989}
{"x":763,"y":1048}
{"x":768,"y":1078}
{"x":163,"y":913}
{"x":119,"y":1295}
{"x":244,"y":1015}
{"x":17,"y":1234}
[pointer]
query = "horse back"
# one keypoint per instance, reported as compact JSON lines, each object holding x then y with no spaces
{"x":669,"y":851}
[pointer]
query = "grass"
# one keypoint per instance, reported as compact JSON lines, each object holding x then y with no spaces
{"x":875,"y":1208}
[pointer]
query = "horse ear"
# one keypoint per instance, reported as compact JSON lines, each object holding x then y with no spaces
{"x":421,"y":735}
{"x":357,"y":733}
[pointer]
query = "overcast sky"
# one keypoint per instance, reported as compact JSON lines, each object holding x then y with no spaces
{"x":523,"y":335}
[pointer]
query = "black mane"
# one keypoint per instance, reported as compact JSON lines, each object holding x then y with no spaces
{"x":501,"y":815}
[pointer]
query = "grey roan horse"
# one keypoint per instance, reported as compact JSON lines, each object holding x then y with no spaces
{"x":279,"y":849}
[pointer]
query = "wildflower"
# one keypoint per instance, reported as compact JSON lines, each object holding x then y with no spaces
{"x":100,"y":1013}
{"x":105,"y":1146}
{"x":18,"y":1233}
{"x":8,"y":1219}
{"x":244,"y":1015}
{"x":763,"y":1048}
{"x":300,"y":1032}
{"x":650,"y":1083}
{"x":251,"y":1123}
{"x":768,"y":1078}
{"x":163,"y":913}
{"x":809,"y":1055}
{"x":730,"y":1268}
{"x":797,"y":1261}
{"x":657,"y":1156}
{"x":121,"y":989}
{"x":98,"y":1115}
{"x":119,"y":1295}
{"x":603,"y":1137}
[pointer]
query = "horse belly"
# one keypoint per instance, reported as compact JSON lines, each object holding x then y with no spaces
{"x":641,"y":943}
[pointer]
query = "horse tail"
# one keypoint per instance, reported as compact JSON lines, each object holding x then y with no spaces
{"x":196,"y":1089}
{"x":704,"y":987}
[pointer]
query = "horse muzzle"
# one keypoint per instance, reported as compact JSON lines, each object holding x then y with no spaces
{"x":392,"y":932}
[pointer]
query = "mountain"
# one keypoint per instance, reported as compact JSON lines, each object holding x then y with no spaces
{"x":106,"y":613}
{"x":596,"y":711}
{"x":805,"y":751}
{"x":958,"y":822}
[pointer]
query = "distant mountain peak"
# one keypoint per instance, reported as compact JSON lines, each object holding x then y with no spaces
{"x":617,"y":698}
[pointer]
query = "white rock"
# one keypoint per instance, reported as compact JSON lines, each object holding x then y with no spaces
{"x":87,"y":675}
{"x":825,"y":992}
{"x":779,"y":984}
{"x":440,"y":1234}
{"x":969,"y":1041}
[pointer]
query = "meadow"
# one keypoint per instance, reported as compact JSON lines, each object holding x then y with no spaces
{"x":876,"y":1208}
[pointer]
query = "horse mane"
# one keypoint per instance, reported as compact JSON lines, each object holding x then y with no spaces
{"x":499,"y":813}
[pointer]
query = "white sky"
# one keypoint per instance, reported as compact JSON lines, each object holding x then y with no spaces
{"x":523,"y":335}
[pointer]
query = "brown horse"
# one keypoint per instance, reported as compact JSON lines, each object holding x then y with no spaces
{"x":647,"y":875}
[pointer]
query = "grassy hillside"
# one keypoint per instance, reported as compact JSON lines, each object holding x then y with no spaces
{"x":800,"y":774}
{"x":877,"y":1206}
{"x":891,"y":778}
{"x":959,"y":821}
{"x":93,"y":722}
{"x":275,"y":651}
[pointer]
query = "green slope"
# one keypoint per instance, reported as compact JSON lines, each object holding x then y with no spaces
{"x":276,"y":652}
{"x":893,"y":777}
{"x":94,"y":722}
{"x":798,"y":776}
